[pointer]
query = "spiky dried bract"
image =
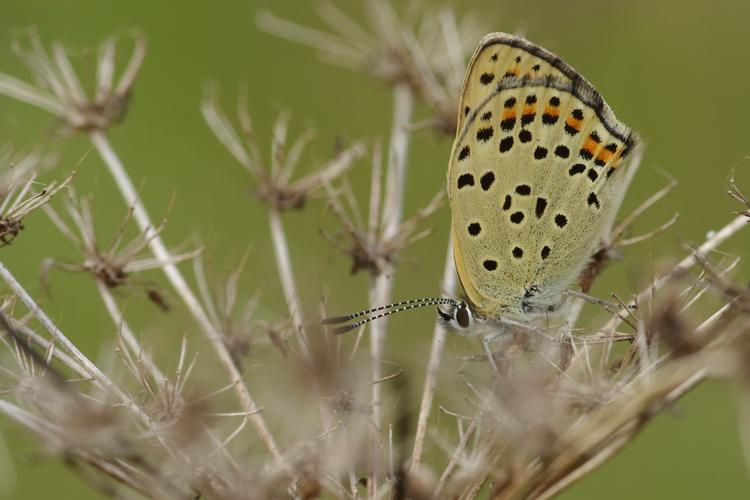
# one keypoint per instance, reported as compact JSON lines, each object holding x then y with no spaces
{"x":366,"y":243}
{"x":17,"y":198}
{"x":273,"y":178}
{"x":117,"y":265}
{"x":235,"y":315}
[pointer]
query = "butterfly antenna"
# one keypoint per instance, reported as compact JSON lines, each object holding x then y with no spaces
{"x":387,"y":310}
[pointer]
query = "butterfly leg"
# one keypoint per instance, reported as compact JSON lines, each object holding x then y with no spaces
{"x":486,"y":341}
{"x":525,"y":326}
{"x":609,"y":306}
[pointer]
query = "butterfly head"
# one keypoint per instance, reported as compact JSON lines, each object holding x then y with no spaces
{"x":458,"y":316}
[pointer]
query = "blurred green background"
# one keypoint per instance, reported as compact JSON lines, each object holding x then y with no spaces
{"x":676,"y":71}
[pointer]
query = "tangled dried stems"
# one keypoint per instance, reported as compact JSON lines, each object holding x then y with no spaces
{"x":558,"y":407}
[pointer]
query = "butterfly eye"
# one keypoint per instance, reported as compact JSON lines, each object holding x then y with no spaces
{"x":463,"y":316}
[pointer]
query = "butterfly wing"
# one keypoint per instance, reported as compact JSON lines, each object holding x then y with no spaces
{"x":535,"y":179}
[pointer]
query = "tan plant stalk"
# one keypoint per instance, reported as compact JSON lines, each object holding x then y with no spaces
{"x":448,"y":287}
{"x":381,"y":285}
{"x":122,"y":180}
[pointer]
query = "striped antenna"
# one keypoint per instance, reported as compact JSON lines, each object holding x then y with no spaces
{"x":387,"y":310}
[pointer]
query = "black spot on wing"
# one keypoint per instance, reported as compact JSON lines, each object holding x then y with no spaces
{"x":593,"y":200}
{"x":465,"y":180}
{"x":464,"y":153}
{"x":541,"y":205}
{"x":562,"y":151}
{"x":506,"y":143}
{"x":578,"y":168}
{"x":523,"y":189}
{"x":508,"y":124}
{"x":507,"y":202}
{"x":561,"y":220}
{"x":485,"y":134}
{"x":487,"y":179}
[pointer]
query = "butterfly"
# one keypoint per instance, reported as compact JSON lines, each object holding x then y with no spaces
{"x":536,"y":175}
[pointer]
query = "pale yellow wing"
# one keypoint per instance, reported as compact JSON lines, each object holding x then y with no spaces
{"x":501,"y":56}
{"x":533,"y":179}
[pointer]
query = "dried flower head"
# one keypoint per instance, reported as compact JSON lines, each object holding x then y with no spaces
{"x":119,"y":263}
{"x":233,"y":315}
{"x":424,"y":48}
{"x":58,"y":89}
{"x":367,"y":244}
{"x":274,"y":184}
{"x":17,"y":199}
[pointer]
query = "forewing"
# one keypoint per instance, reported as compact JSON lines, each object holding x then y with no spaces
{"x":499,"y":57}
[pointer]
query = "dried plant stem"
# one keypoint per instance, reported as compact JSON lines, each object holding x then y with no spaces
{"x":710,"y":244}
{"x":24,"y":92}
{"x":24,"y":418}
{"x":104,"y":148}
{"x":448,"y":287}
{"x":127,"y":334}
{"x":288,"y":283}
{"x":603,"y":428}
{"x":97,"y":376}
{"x":49,"y":434}
{"x":458,"y":454}
{"x":382,"y":285}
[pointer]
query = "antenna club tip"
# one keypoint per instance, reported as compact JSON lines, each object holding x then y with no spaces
{"x":333,"y":320}
{"x":343,"y":329}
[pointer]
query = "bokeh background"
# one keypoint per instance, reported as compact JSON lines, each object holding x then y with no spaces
{"x":677,"y":71}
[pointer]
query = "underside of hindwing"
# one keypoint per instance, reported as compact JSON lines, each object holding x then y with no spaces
{"x":535,"y":176}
